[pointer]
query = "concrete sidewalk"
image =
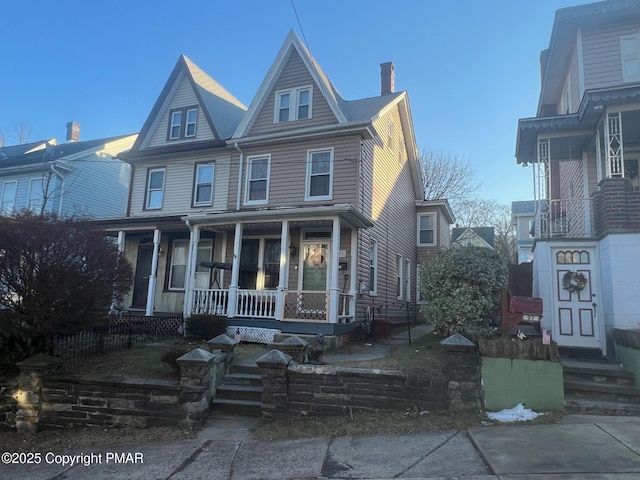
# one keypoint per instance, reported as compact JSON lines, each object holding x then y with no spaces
{"x":581,"y":447}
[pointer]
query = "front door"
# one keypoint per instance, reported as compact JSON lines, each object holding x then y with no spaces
{"x":575,"y":322}
{"x":314,"y":266}
{"x":141,"y":281}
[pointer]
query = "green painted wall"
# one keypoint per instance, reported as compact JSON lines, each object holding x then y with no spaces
{"x":508,"y":382}
{"x":630,"y":359}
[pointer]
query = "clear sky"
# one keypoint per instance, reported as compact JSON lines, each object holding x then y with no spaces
{"x":471,"y":67}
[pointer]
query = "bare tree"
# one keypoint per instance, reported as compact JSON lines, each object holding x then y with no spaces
{"x":489,"y":213}
{"x":22,"y":131}
{"x":3,"y":137}
{"x":447,"y":176}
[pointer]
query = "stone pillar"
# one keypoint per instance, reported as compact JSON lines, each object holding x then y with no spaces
{"x":225,"y":345}
{"x":30,"y":383}
{"x":195,"y":385}
{"x":463,"y":372}
{"x":275,"y":383}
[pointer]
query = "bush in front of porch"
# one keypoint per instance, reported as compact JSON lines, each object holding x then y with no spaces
{"x":462,"y":287}
{"x":206,"y":327}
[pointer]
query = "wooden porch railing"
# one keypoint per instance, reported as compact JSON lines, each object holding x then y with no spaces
{"x":257,"y":303}
{"x":346,"y":304}
{"x":210,"y":301}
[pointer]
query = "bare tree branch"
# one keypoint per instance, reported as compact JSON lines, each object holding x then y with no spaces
{"x":22,"y":131}
{"x":447,"y":176}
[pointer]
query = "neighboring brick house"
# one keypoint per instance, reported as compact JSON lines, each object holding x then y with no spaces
{"x":583,"y":147}
{"x":294,"y":214}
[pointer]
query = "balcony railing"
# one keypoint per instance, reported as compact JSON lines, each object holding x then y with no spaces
{"x":572,"y":218}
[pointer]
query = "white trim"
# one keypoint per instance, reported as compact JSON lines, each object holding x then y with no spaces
{"x":633,"y":56}
{"x":182,"y":243}
{"x":307,"y":192}
{"x":3,"y":200}
{"x":248,"y":180}
{"x":435,"y":229}
{"x":148,"y":190}
{"x":41,"y":193}
{"x":407,"y":279}
{"x":399,"y":277}
{"x":187,"y":123}
{"x":373,"y":263}
{"x":209,"y":202}
{"x":580,"y":62}
{"x":172,"y":125}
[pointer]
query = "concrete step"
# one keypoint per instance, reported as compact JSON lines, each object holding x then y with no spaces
{"x":239,"y":392}
{"x":629,"y":392}
{"x":597,"y":371}
{"x":576,"y":404}
{"x":245,"y":367}
{"x":242,"y":379}
{"x":237,"y":407}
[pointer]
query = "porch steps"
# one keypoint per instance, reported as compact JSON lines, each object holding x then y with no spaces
{"x":239,"y":394}
{"x":599,"y":387}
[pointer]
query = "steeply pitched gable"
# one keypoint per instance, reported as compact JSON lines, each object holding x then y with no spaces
{"x":219,"y":112}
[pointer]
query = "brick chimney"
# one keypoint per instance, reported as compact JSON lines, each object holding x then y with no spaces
{"x":387,"y":78}
{"x":73,"y":132}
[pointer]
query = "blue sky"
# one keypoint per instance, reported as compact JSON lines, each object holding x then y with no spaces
{"x":471,"y":67}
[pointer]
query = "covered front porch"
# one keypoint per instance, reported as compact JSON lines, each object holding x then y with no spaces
{"x":294,"y":265}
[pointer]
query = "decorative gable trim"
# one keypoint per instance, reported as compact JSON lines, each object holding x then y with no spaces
{"x":292,"y":42}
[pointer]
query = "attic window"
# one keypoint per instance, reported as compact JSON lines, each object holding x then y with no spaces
{"x":293,"y":104}
{"x":182,"y":123}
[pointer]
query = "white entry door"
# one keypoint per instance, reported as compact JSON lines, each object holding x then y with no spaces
{"x":575,"y":322}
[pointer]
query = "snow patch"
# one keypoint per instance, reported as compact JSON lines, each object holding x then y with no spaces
{"x":515,"y":414}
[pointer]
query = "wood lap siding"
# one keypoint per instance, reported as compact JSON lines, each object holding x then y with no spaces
{"x":601,"y":53}
{"x":184,"y":97}
{"x":294,"y":74}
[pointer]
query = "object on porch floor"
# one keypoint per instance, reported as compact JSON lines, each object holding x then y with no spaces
{"x":317,"y":351}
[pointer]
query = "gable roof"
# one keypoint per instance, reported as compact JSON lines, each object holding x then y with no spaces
{"x":222,"y":110}
{"x":486,"y":234}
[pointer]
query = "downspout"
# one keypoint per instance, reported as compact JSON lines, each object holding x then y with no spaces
{"x":62,"y":179}
{"x":239,"y":176}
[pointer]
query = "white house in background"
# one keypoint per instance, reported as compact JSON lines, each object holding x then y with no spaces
{"x":584,"y":146}
{"x":73,"y":178}
{"x":523,"y":215}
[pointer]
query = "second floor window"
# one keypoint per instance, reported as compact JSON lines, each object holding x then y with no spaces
{"x":630,"y":49}
{"x":36,"y":195}
{"x":155,"y":189}
{"x":257,"y":190}
{"x":8,"y":197}
{"x":426,"y":229}
{"x":319,"y":174}
{"x":182,"y":123}
{"x":294,"y":104}
{"x":203,"y":189}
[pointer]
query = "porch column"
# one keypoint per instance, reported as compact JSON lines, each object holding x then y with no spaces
{"x":187,"y":308}
{"x":334,"y":264}
{"x":151,"y":294}
{"x":284,"y":270}
{"x":353,"y":272}
{"x":613,"y":136}
{"x":121,"y":241}
{"x":235,"y":272}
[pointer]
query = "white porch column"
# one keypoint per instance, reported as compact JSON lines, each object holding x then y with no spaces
{"x":187,"y":308}
{"x":284,"y":270}
{"x":333,"y":277}
{"x":153,"y":276}
{"x":353,"y":272}
{"x":121,"y":241}
{"x":235,"y":272}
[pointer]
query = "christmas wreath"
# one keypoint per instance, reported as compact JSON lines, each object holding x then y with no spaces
{"x":574,"y":281}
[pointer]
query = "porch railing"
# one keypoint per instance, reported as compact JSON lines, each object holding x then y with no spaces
{"x":565,"y":218}
{"x":307,"y":305}
{"x":257,"y":303}
{"x":346,"y":303}
{"x":210,"y":302}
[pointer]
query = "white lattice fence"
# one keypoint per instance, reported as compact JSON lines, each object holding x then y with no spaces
{"x":253,"y":334}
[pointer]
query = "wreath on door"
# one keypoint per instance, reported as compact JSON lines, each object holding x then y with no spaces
{"x":574,"y":281}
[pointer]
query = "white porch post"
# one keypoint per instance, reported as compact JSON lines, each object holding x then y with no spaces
{"x":151,"y":293}
{"x":284,"y":269}
{"x":121,"y":241}
{"x":187,"y":308}
{"x":235,"y":272}
{"x":333,"y":282}
{"x":353,"y":273}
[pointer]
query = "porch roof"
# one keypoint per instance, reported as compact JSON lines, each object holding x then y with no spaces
{"x":134,"y":224}
{"x":345,"y":211}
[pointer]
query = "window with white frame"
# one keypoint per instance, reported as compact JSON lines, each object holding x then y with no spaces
{"x":390,"y":128}
{"x":155,"y":188}
{"x":426,"y":229}
{"x":257,"y":189}
{"x":203,"y":274}
{"x":183,"y":123}
{"x":8,"y":203}
{"x":293,"y":104}
{"x":407,"y":280}
{"x":178,"y":267}
{"x":319,"y":174}
{"x":399,"y":278}
{"x":203,"y":188}
{"x":36,"y":195}
{"x":630,"y":51}
{"x":419,"y":296}
{"x":373,"y":267}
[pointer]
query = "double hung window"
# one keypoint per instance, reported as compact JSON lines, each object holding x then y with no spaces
{"x":319,"y":174}
{"x":257,"y":189}
{"x":36,"y":195}
{"x":426,"y":229}
{"x":293,"y":104}
{"x":8,"y":203}
{"x":183,"y":123}
{"x":203,"y":189}
{"x":155,"y":189}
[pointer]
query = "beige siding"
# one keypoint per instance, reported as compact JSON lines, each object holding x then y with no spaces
{"x":178,"y":188}
{"x":601,"y":51}
{"x":294,"y":74}
{"x":184,"y":97}
{"x":289,"y":170}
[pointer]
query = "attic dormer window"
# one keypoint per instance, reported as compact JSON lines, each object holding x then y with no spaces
{"x":293,"y":104}
{"x":182,"y":123}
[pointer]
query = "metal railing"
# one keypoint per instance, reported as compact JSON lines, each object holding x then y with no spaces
{"x":565,"y":218}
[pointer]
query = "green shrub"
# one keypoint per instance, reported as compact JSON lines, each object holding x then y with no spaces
{"x":463,"y":287}
{"x":172,"y":354}
{"x":206,"y":327}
